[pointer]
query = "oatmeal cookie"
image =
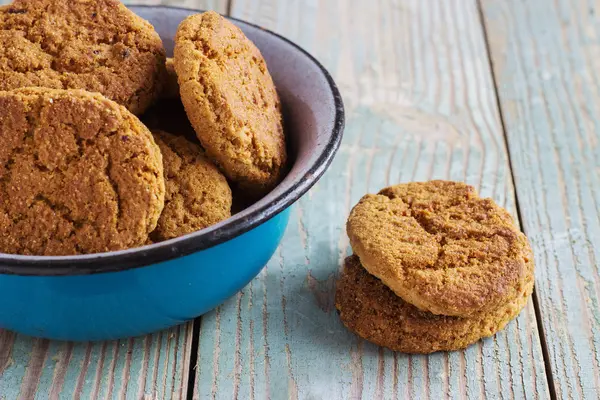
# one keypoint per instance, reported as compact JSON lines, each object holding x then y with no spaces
{"x":231,"y":100}
{"x":99,"y":46}
{"x":440,"y":247}
{"x":197,"y":194}
{"x":371,"y":310}
{"x":78,"y":174}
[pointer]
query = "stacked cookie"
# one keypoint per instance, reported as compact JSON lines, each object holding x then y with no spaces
{"x":80,"y":173}
{"x":436,"y":267}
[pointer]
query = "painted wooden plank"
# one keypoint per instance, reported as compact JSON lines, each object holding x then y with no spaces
{"x":151,"y":367}
{"x":420,"y":104}
{"x":546,"y":59}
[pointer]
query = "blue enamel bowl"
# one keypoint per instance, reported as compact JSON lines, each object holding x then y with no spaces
{"x":138,"y":291}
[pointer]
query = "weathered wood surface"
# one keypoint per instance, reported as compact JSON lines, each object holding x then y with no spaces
{"x":420,"y":104}
{"x":546,"y":58}
{"x":151,"y":367}
{"x":217,"y":5}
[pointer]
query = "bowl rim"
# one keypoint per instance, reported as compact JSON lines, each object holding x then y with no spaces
{"x":253,"y":216}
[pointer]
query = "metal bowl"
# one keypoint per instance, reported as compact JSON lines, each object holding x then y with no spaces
{"x":133,"y":292}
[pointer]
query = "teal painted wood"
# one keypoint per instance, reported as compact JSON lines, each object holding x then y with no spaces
{"x":420,"y":104}
{"x":151,"y":367}
{"x":546,"y":61}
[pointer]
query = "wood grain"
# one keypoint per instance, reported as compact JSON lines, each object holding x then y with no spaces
{"x":217,"y":5}
{"x":546,"y":58}
{"x":151,"y":367}
{"x":420,"y":104}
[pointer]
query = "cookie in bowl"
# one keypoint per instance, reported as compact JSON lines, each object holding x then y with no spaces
{"x":99,"y":46}
{"x":171,"y":86}
{"x":231,"y":101}
{"x":79,"y":174}
{"x":197,"y":194}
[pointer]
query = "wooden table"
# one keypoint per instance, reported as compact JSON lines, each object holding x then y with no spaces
{"x":503,"y":94}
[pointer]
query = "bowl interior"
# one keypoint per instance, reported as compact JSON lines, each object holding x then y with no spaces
{"x":313,"y":117}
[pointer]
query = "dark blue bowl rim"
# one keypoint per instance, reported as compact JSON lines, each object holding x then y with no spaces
{"x":197,"y":241}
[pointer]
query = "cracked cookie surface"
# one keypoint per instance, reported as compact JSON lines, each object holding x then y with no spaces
{"x":78,"y":174}
{"x":197,"y":194}
{"x":440,"y":246}
{"x":99,"y":46}
{"x":231,"y":101}
{"x":370,"y":309}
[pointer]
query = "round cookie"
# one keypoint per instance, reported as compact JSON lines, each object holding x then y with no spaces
{"x":78,"y":174}
{"x":440,"y":247}
{"x":371,"y":310}
{"x":197,"y":194}
{"x":231,"y":101}
{"x":99,"y":46}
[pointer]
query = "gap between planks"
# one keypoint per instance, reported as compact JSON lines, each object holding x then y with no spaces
{"x":536,"y":303}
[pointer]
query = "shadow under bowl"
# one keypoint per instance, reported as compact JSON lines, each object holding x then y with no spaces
{"x":138,"y":291}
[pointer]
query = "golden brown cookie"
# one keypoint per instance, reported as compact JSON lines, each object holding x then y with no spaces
{"x":371,"y":310}
{"x":231,"y":100}
{"x":440,"y":247}
{"x":197,"y":194}
{"x":171,"y":87}
{"x":78,"y":174}
{"x":99,"y":46}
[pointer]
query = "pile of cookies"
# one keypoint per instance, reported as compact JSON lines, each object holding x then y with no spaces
{"x":80,"y":172}
{"x":436,"y":267}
